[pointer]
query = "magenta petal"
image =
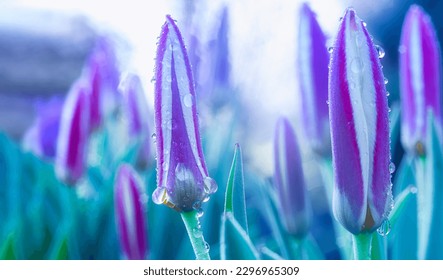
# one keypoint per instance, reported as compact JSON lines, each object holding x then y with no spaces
{"x":289,"y":181}
{"x":419,"y":77}
{"x":358,"y":111}
{"x":130,"y":213}
{"x":73,"y":134}
{"x":182,"y":177}
{"x":312,"y":65}
{"x":136,"y":105}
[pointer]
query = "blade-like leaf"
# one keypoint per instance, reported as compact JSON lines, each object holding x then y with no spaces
{"x":433,"y":181}
{"x":403,"y":217}
{"x":235,"y":191}
{"x":235,"y":243}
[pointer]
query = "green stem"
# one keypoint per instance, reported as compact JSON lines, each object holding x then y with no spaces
{"x":362,"y":246}
{"x":195,"y":234}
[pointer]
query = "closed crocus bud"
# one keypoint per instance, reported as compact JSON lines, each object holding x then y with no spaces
{"x":289,"y":181}
{"x":419,"y":78}
{"x":136,"y":105}
{"x":130,"y":213}
{"x":183,"y":182}
{"x":73,"y":134}
{"x":102,"y":73}
{"x":312,"y":61}
{"x":358,"y":111}
{"x":137,"y":112}
{"x":41,"y":137}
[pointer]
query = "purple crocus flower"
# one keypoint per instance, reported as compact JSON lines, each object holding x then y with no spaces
{"x":182,"y":177}
{"x":419,"y":77}
{"x":136,"y":105}
{"x":313,"y":59}
{"x":137,"y":111}
{"x":102,"y":73}
{"x":289,"y":181}
{"x":129,"y":212}
{"x":41,"y":137}
{"x":358,"y":111}
{"x":73,"y":134}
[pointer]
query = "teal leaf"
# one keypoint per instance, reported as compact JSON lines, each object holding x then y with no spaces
{"x":7,"y":251}
{"x":235,"y":190}
{"x":403,"y":218}
{"x":268,"y":254}
{"x":432,"y":197}
{"x":394,"y":127}
{"x":235,"y":243}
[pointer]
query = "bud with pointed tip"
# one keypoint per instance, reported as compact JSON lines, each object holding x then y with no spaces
{"x":137,"y":112}
{"x":419,"y":78}
{"x":72,"y":141}
{"x":183,"y":182}
{"x":358,"y":111}
{"x":289,"y":181}
{"x":130,"y":212}
{"x":312,"y":60}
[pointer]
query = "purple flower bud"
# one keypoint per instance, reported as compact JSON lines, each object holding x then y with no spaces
{"x":182,"y":177}
{"x":136,"y":105}
{"x":41,"y":137}
{"x":137,"y":112}
{"x":419,"y":78}
{"x":358,"y":111}
{"x":103,"y":75}
{"x":289,"y":181}
{"x":313,"y":59}
{"x":73,"y":134}
{"x":130,"y":213}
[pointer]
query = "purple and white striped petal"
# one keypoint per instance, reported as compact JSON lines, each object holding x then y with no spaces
{"x":289,"y":181}
{"x":130,"y":213}
{"x":103,"y":75}
{"x":419,"y":78}
{"x":182,"y":177}
{"x":137,"y":113}
{"x":72,"y":141}
{"x":136,"y":105}
{"x":358,"y":111}
{"x":312,"y":61}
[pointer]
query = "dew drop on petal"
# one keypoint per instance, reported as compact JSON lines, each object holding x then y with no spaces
{"x":391,"y":167}
{"x":356,"y":65}
{"x":364,"y":23}
{"x":387,"y":93}
{"x":187,"y":100}
{"x":197,"y":205}
{"x":380,"y":51}
{"x":200,"y":213}
{"x":413,"y":189}
{"x":385,"y":228}
{"x":330,"y":49}
{"x":210,"y":186}
{"x":207,"y":247}
{"x":386,"y":81}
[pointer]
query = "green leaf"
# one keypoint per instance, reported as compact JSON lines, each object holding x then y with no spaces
{"x":235,"y":243}
{"x":379,"y":247}
{"x":270,"y":212}
{"x":431,"y":226}
{"x":7,"y":252}
{"x":268,"y":254}
{"x":235,"y":190}
{"x":403,"y":218}
{"x":394,"y":127}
